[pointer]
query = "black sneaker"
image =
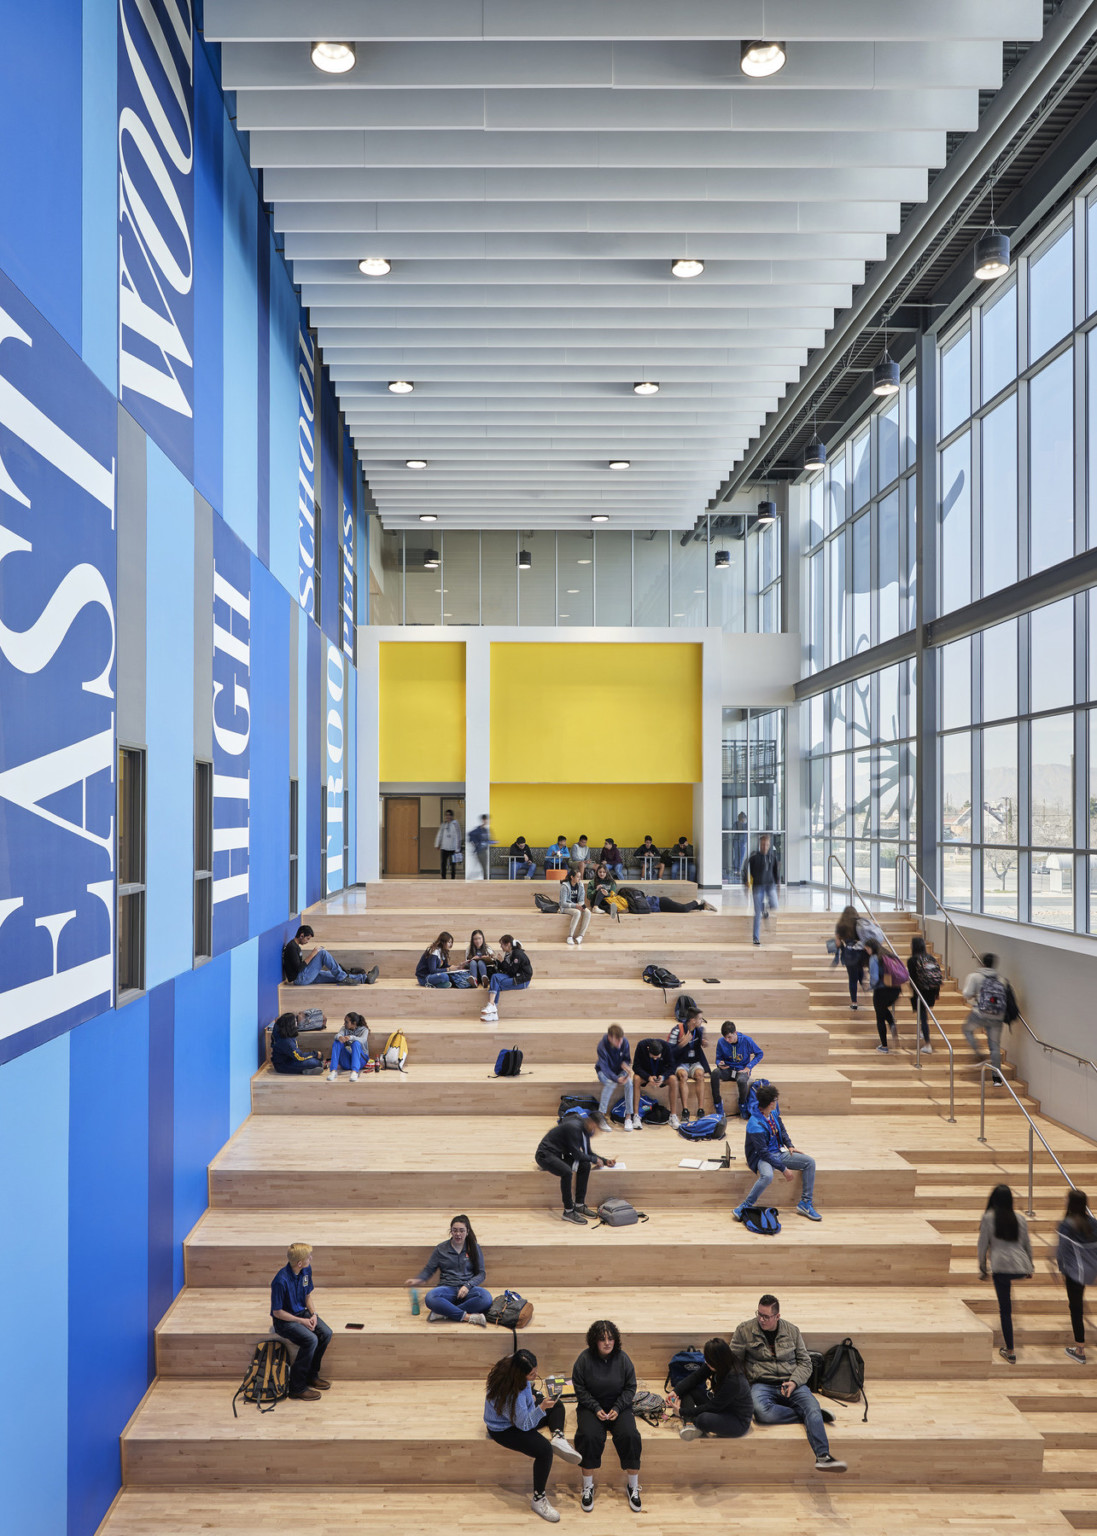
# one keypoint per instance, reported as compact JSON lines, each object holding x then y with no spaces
{"x":634,"y":1498}
{"x":372,"y":975}
{"x":828,"y":1417}
{"x":587,"y":1500}
{"x":574,"y":1217}
{"x":684,"y":1116}
{"x":829,"y":1464}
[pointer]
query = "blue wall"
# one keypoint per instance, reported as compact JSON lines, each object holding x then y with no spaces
{"x":151,"y":594}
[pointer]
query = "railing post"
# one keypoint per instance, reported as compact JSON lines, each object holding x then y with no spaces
{"x":982,"y":1102}
{"x":1031,"y":1154}
{"x":951,"y":1082}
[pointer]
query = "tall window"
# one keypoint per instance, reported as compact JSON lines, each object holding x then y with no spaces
{"x":293,"y":785}
{"x":203,"y":860}
{"x":131,"y":870}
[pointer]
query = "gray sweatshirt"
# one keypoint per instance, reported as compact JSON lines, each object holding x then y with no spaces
{"x":454,"y":1268}
{"x":1005,"y":1258}
{"x":604,"y":1384}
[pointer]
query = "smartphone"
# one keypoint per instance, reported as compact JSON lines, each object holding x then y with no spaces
{"x":357,"y":1326}
{"x":711,"y":981}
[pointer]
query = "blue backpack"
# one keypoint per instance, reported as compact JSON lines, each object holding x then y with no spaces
{"x":682,"y":1365}
{"x":762,"y":1220}
{"x":704,"y":1128}
{"x":751,"y":1106}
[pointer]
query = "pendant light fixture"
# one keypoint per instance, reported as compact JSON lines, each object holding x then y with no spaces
{"x":525,"y":560}
{"x":430,"y":560}
{"x":759,"y":58}
{"x":885,"y":376}
{"x":991,"y":249}
{"x":815,"y":454}
{"x":722,"y":560}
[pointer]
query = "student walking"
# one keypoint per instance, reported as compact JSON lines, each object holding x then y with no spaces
{"x":350,"y":1048}
{"x":715,"y":1398}
{"x":480,"y":839}
{"x":850,"y":952}
{"x":513,"y":973}
{"x":573,"y":902}
{"x":459,"y":1296}
{"x":293,"y":1316}
{"x":567,"y":1147}
{"x":926,"y":981}
{"x":1076,"y":1261}
{"x":763,"y":872}
{"x":480,"y":959}
{"x":768,"y":1149}
{"x":605,"y":1385}
{"x":885,"y":994}
{"x":989,"y":995}
{"x":736,"y":1057}
{"x":1005,"y":1255}
{"x":514,"y":1413}
{"x":614,"y":1069}
{"x":448,"y":841}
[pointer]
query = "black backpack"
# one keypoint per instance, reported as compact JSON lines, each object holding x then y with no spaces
{"x":659,"y":976}
{"x":926,"y":973}
{"x":545,"y":903}
{"x":508,"y":1063}
{"x":577,"y":1104}
{"x":266,"y":1381}
{"x":841,"y":1374}
{"x":683,"y":1007}
{"x":637,"y":901}
{"x":510,"y":1311}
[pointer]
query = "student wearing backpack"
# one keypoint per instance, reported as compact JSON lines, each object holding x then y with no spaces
{"x":653,"y":1059}
{"x":776,"y":1363}
{"x":989,"y":998}
{"x":763,"y":872}
{"x":567,"y":1147}
{"x":1076,"y":1261}
{"x":768,"y":1149}
{"x":459,"y":1296}
{"x":605,"y":1385}
{"x":350,"y":1048}
{"x":514,"y":1413}
{"x":293,"y":1317}
{"x":715,"y":1398}
{"x":614,"y":1069}
{"x":687,"y":1046}
{"x":284,"y":1054}
{"x":885,"y":994}
{"x":736,"y":1057}
{"x":1005,"y":1255}
{"x":926,"y":980}
{"x":514,"y":974}
{"x":850,"y":952}
{"x":573,"y":901}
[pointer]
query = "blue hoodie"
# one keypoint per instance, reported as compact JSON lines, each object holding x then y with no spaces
{"x":613,"y":1059}
{"x":743,"y":1056}
{"x":765,"y":1138}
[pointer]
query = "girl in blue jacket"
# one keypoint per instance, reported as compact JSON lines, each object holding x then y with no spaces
{"x":514,"y":1414}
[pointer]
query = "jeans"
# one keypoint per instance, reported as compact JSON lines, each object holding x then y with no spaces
{"x":557,"y":861}
{"x":448,"y":866}
{"x":501,"y":983}
{"x":682,"y":868}
{"x":443,"y":1298}
{"x":528,"y":1442}
{"x":436,"y":979}
{"x":798,"y":1161}
{"x":311,"y":1344}
{"x":616,"y":870}
{"x":771,"y":1408}
{"x":580,"y":922}
{"x":728,"y":1075}
{"x":1075,"y":1292}
{"x":763,"y":895}
{"x":521,"y":869}
{"x":610,"y":1086}
{"x":549,"y":1162}
{"x":993,"y":1028}
{"x":321,"y":964}
{"x":1005,"y":1306}
{"x":478,"y":970}
{"x":353,"y":1055}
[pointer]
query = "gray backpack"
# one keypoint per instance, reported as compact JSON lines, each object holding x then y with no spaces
{"x":618,"y":1213}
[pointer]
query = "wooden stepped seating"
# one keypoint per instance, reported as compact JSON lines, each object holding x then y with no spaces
{"x":532,"y":926}
{"x":365,"y":1160}
{"x":557,"y":1040}
{"x":842,"y":1509}
{"x":471,"y":1087}
{"x":555,"y":958}
{"x":382,"y":1247}
{"x":361,"y":1433}
{"x":628,"y":1000}
{"x":469,"y":895}
{"x":211,"y":1333}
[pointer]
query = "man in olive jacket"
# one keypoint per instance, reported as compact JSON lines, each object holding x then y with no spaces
{"x":773,"y":1357}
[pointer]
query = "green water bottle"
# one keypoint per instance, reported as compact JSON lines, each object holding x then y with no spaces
{"x":414,"y":1303}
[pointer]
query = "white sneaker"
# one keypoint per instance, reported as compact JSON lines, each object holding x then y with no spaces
{"x":542,"y":1507}
{"x":477,"y":1319}
{"x":628,"y":1123}
{"x":333,"y":1075}
{"x":354,"y":1076}
{"x":637,"y":1123}
{"x":562,"y":1447}
{"x":570,"y":940}
{"x":489,"y":1013}
{"x":579,"y":940}
{"x":674,"y":1122}
{"x":927,"y":1049}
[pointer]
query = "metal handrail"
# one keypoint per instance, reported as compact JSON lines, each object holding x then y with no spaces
{"x":1033,"y":1128}
{"x":950,"y":922}
{"x":834,"y":859}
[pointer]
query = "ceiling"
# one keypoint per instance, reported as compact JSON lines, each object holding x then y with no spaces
{"x":532,"y":167}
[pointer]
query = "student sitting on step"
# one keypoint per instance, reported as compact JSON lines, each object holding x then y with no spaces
{"x":514,"y":1413}
{"x":614,"y":1069}
{"x":350,"y":1048}
{"x":573,"y":903}
{"x":605,"y":1385}
{"x":304,"y":963}
{"x":714,"y":1399}
{"x":736,"y":1057}
{"x":514,"y":974}
{"x":648,"y":858}
{"x":768,"y":1148}
{"x":565,"y":1147}
{"x":600,"y":888}
{"x":293,"y":1316}
{"x":774,"y":1358}
{"x":284,"y":1055}
{"x":687,"y":1044}
{"x":480,"y":958}
{"x":433,"y":967}
{"x":678,"y":861}
{"x":459,"y":1296}
{"x":653,"y":1059}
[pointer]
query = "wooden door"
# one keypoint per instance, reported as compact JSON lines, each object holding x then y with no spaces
{"x":401,"y":835}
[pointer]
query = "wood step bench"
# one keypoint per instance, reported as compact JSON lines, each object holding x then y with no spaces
{"x":469,"y":895}
{"x":432,"y":1432}
{"x":554,"y":957}
{"x":211,"y":1333}
{"x":468,"y":1086}
{"x":383,"y":1247}
{"x":528,"y":923}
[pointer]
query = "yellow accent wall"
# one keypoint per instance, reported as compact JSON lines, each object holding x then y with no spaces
{"x":629,"y":714}
{"x":625,"y":812}
{"x":422,"y":712}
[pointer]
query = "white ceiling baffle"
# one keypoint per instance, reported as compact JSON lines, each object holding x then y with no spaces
{"x":531,"y":168}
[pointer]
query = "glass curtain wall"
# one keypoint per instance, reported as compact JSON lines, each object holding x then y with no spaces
{"x":754,"y":785}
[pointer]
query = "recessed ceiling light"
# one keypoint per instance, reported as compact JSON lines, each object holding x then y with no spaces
{"x":698,"y":591}
{"x":415,"y":463}
{"x":582,"y":562}
{"x":678,"y":615}
{"x":374,"y":266}
{"x":759,"y":59}
{"x":573,"y":591}
{"x":565,"y":615}
{"x":645,"y":387}
{"x":599,"y":517}
{"x":401,"y":387}
{"x":428,"y":517}
{"x":447,"y":615}
{"x":334,"y":58}
{"x":442,"y":591}
{"x":620,"y":463}
{"x":687,"y":266}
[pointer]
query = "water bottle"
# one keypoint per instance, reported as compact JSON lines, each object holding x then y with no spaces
{"x":415,"y":1303}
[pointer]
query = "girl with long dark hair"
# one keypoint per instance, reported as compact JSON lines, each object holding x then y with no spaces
{"x":605,"y":1385}
{"x":459,"y":1296}
{"x":480,"y":958}
{"x":715,"y":1398}
{"x":850,"y":952}
{"x":1077,"y":1263}
{"x":513,"y":1413}
{"x":1005,"y":1255}
{"x":885,"y":994}
{"x":434,"y":965}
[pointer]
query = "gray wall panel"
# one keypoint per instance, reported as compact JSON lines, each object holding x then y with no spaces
{"x":131,"y":514}
{"x":203,"y":628}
